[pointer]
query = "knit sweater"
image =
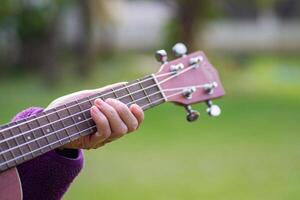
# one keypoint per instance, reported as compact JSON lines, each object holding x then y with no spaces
{"x":48,"y":176}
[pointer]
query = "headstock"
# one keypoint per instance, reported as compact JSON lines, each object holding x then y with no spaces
{"x":188,"y":80}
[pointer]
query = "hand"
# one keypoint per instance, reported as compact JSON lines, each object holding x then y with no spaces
{"x":112,"y":117}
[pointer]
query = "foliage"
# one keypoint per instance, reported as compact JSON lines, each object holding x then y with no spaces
{"x":190,"y":16}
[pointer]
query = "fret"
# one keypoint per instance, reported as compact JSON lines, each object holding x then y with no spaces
{"x":59,"y":129}
{"x":25,"y":147}
{"x":52,"y":137}
{"x":71,"y":129}
{"x":16,"y":145}
{"x":66,"y":121}
{"x":83,"y":110}
{"x":134,"y":89}
{"x":85,"y":103}
{"x":78,"y":118}
{"x":28,"y":136}
{"x":64,"y":134}
{"x":141,"y":85}
{"x":3,"y":147}
{"x":10,"y":154}
{"x":86,"y":116}
{"x":132,"y":99}
{"x":107,"y":94}
{"x":138,"y":94}
{"x":10,"y":135}
{"x":114,"y":93}
{"x":156,"y":95}
{"x":43,"y":139}
{"x":46,"y":130}
{"x":56,"y":125}
{"x":37,"y":133}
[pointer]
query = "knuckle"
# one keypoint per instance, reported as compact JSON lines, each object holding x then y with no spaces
{"x":133,"y":126}
{"x":122,"y":110}
{"x":106,"y":134}
{"x":111,"y":111}
{"x":123,"y":130}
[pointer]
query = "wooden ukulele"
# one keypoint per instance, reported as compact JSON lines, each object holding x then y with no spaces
{"x":185,"y":81}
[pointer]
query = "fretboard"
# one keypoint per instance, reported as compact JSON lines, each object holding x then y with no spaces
{"x":28,"y":138}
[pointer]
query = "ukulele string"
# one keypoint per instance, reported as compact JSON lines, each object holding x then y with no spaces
{"x":56,"y":131}
{"x":151,"y":86}
{"x":67,"y":107}
{"x":68,"y":137}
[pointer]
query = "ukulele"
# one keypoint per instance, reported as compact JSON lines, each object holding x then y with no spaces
{"x":187,"y":80}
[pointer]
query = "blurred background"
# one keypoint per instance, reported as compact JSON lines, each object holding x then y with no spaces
{"x":49,"y":48}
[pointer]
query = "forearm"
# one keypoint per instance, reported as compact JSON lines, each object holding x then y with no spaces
{"x":48,"y":176}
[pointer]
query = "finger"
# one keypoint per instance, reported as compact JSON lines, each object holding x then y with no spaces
{"x":117,"y":126}
{"x":103,"y":127}
{"x":124,"y":113}
{"x":138,"y":112}
{"x":80,"y":94}
{"x":101,"y":144}
{"x":94,"y":91}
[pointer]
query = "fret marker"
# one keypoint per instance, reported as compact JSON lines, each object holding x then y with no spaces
{"x":28,"y":137}
{"x":48,"y":130}
{"x":79,"y":118}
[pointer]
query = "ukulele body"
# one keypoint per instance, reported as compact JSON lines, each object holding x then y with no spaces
{"x":10,"y":185}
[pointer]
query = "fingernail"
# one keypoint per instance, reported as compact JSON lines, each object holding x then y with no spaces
{"x":108,"y":99}
{"x":94,"y":109}
{"x":98,"y":102}
{"x":135,"y":106}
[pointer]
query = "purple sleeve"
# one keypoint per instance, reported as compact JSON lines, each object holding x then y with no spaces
{"x":48,"y":176}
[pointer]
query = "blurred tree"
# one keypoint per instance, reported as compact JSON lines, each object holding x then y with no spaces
{"x":7,"y":11}
{"x":266,"y":4}
{"x":189,"y":17}
{"x":36,"y":28}
{"x":35,"y":24}
{"x":288,"y":9}
{"x":84,"y":46}
{"x":93,"y":13}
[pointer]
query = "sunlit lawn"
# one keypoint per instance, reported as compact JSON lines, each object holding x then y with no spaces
{"x":251,"y":152}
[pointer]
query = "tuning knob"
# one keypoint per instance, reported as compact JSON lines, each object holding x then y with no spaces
{"x":192,"y":115}
{"x":213,"y":110}
{"x":179,"y":49}
{"x":161,"y":56}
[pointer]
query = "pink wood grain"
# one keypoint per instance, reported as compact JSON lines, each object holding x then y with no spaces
{"x":205,"y":73}
{"x":10,"y":185}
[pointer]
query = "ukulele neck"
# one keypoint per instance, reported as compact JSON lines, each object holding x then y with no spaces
{"x":28,"y":138}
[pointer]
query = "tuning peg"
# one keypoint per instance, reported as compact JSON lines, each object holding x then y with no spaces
{"x":188,"y":92}
{"x":213,"y":110}
{"x":161,"y":56}
{"x":192,"y":115}
{"x":210,"y":87}
{"x":180,"y":49}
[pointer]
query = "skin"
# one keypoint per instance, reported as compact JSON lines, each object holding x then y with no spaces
{"x":112,"y":117}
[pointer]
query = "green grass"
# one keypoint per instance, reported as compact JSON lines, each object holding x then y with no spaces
{"x":250,"y":152}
